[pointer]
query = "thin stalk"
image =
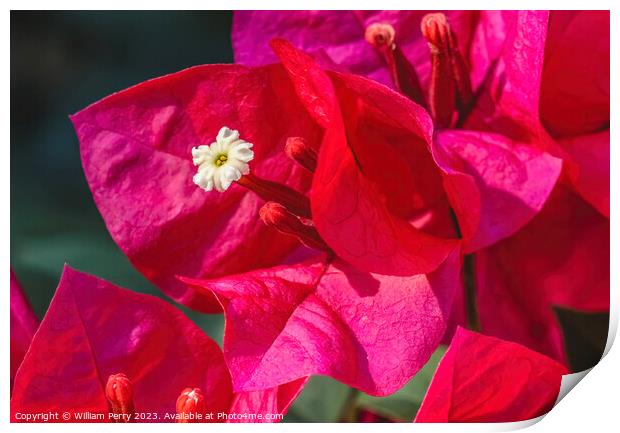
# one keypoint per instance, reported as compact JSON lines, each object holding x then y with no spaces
{"x":469,"y":281}
{"x":348,"y":411}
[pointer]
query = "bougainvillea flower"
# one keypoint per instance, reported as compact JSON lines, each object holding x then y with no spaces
{"x":494,"y":183}
{"x":168,"y":227}
{"x":485,"y":379}
{"x":323,"y":316}
{"x":108,"y":351}
{"x":23,"y":325}
{"x":551,"y":84}
{"x":425,"y":221}
{"x":136,"y":149}
{"x":370,"y":331}
{"x":560,"y":259}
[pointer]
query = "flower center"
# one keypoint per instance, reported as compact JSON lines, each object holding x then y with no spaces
{"x":221,"y":160}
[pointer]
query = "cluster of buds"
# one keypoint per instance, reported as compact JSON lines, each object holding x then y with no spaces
{"x":120,"y":396}
{"x":450,"y":91}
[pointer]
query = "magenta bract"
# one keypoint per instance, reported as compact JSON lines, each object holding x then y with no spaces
{"x":136,"y":151}
{"x":371,"y":331}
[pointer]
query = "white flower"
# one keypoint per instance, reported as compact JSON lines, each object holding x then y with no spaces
{"x":222,"y":162}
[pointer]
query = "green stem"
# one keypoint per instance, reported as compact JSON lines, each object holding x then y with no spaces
{"x":348,"y":412}
{"x":469,"y":281}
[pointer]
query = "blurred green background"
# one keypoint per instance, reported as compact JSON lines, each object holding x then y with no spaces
{"x":63,"y":61}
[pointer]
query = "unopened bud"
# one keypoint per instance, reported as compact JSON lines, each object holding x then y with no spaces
{"x":436,"y":30}
{"x":450,"y":85}
{"x":275,"y":215}
{"x":300,"y":151}
{"x":119,"y":392}
{"x":190,"y":402}
{"x":380,"y":35}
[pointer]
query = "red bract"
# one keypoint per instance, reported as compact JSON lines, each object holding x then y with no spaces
{"x":501,"y":189}
{"x":102,"y":349}
{"x":365,"y":191}
{"x":382,"y":189}
{"x":560,"y":259}
{"x":553,"y":78}
{"x":498,"y":180}
{"x":23,"y":325}
{"x":396,"y":239}
{"x":485,"y":379}
{"x":371,"y":331}
{"x":136,"y":151}
{"x":333,"y":316}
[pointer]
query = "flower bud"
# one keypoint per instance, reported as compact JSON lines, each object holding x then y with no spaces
{"x":436,"y":30}
{"x":119,"y":392}
{"x":300,"y":151}
{"x":380,"y":35}
{"x":404,"y":76}
{"x":190,"y":402}
{"x":275,"y":215}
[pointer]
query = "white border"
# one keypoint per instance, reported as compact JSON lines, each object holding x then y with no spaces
{"x":592,"y":405}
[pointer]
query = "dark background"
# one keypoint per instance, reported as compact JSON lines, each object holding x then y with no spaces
{"x":63,"y":61}
{"x":60,"y":63}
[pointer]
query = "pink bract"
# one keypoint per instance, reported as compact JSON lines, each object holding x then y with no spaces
{"x":94,"y":329}
{"x":485,"y":379}
{"x":496,"y":185}
{"x":560,"y":259}
{"x":370,"y":331}
{"x":551,"y":87}
{"x":136,"y":152}
{"x":23,"y":325}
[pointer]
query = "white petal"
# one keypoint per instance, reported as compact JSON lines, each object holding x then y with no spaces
{"x":227,"y":136}
{"x":221,"y":181}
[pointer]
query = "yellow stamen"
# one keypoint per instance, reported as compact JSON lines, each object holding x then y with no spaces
{"x":221,"y":160}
